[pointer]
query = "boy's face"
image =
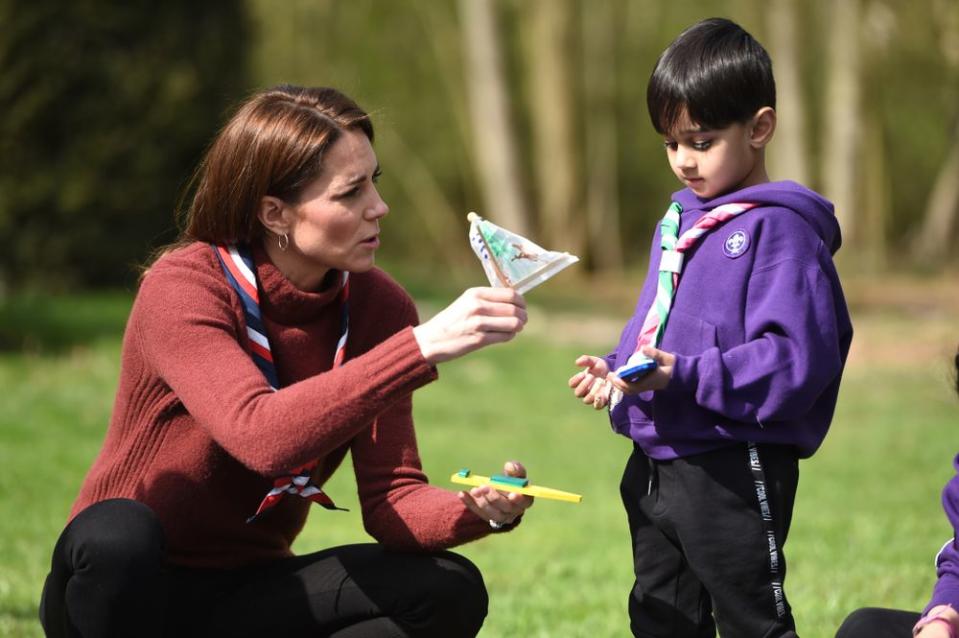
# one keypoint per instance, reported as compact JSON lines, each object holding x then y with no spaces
{"x":715,"y":162}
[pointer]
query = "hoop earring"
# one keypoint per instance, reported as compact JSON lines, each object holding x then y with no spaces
{"x":283,"y":241}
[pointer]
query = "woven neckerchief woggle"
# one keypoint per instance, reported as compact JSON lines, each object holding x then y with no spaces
{"x":237,"y":262}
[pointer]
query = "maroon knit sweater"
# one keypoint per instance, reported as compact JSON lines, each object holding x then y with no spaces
{"x":197,"y":432}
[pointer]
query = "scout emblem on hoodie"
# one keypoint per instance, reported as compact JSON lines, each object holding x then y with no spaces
{"x":736,"y":244}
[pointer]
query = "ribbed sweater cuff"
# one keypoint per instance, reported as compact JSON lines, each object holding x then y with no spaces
{"x":400,"y":366}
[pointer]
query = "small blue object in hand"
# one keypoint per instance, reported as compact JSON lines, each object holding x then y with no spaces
{"x":633,"y":373}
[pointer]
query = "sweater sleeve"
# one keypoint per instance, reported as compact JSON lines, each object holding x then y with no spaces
{"x":791,"y":352}
{"x":946,"y":590}
{"x":185,"y":325}
{"x":400,"y":509}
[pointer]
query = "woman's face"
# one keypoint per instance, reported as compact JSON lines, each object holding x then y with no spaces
{"x":335,"y":224}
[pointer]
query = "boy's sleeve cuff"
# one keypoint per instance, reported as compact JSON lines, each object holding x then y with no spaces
{"x":685,"y":377}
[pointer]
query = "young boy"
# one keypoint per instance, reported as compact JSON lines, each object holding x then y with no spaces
{"x":749,"y":331}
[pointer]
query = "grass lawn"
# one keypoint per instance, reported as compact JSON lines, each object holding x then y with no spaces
{"x":866,"y":526}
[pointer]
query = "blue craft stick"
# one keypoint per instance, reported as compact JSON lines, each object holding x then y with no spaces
{"x":509,"y":480}
{"x":464,"y":472}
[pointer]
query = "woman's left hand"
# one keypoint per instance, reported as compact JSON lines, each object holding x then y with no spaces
{"x":499,"y":508}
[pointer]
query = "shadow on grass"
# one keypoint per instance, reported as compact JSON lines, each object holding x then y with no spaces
{"x":48,"y":324}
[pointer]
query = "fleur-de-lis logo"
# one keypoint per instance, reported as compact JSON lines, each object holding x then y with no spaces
{"x":736,"y":244}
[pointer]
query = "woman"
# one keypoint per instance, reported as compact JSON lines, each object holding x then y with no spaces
{"x":260,"y":349}
{"x":940,"y":618}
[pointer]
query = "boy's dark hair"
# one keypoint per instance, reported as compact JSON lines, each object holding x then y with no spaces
{"x":714,"y":70}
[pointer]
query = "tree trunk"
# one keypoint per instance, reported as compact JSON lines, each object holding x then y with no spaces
{"x":443,"y":230}
{"x":841,"y":138}
{"x":443,"y":37}
{"x":490,"y":116}
{"x":550,"y":41}
{"x":874,"y":205}
{"x":937,"y":234}
{"x":601,"y":166}
{"x":788,"y":157}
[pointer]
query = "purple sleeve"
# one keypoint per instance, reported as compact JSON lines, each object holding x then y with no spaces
{"x":611,"y":360}
{"x":790,"y":355}
{"x":946,"y":590}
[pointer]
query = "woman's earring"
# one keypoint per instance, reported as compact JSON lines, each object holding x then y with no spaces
{"x":283,"y":241}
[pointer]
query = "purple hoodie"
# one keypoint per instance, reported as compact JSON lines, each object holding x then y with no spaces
{"x":946,"y":591}
{"x":759,"y":327}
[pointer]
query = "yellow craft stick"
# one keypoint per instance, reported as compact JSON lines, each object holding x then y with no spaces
{"x":465,"y":477}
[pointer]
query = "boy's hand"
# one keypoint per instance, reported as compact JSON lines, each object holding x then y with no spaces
{"x":595,"y":384}
{"x":655,"y":380}
{"x":592,"y":384}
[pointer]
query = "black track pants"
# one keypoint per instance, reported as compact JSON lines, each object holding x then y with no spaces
{"x":708,"y":532}
{"x":108,"y":578}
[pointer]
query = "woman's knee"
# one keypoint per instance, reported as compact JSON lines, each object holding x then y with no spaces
{"x":459,"y":592}
{"x":120,"y":535}
{"x":106,"y":572}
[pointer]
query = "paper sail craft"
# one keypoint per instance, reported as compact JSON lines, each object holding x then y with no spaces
{"x":512,"y":261}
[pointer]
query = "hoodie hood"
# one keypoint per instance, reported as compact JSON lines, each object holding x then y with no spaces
{"x":811,"y":206}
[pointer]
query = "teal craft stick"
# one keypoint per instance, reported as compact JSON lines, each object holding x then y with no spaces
{"x":464,"y":472}
{"x":509,"y":480}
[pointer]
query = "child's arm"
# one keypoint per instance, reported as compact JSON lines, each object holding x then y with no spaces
{"x":939,"y":622}
{"x":792,"y":352}
{"x":946,"y":591}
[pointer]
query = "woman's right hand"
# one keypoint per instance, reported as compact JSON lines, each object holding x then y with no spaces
{"x":478,"y":318}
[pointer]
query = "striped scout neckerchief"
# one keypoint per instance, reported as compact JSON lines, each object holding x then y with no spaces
{"x":671,"y":266}
{"x":237,"y":262}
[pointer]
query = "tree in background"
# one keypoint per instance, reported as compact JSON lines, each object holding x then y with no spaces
{"x":106,"y":108}
{"x":788,"y":157}
{"x":548,"y":26}
{"x":531,"y":112}
{"x":494,"y":137}
{"x":600,"y":148}
{"x":842,"y":109}
{"x":941,"y":216}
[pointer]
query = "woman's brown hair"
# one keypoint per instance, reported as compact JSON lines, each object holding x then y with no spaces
{"x":273,"y":145}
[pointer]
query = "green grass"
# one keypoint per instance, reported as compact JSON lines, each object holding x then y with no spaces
{"x":866,"y":526}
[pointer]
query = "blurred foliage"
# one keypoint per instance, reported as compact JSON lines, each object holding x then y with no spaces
{"x":45,"y":324}
{"x":105,"y":107}
{"x":914,"y":90}
{"x":404,"y":62}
